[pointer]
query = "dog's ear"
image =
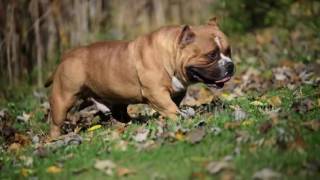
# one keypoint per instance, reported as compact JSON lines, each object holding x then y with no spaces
{"x":186,"y":36}
{"x":213,"y":21}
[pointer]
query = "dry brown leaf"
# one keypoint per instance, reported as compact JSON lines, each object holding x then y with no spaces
{"x":227,"y":175}
{"x":198,"y":175}
{"x":232,"y":125}
{"x":122,"y":171}
{"x":275,"y":101}
{"x":266,"y":174}
{"x":106,"y":166}
{"x":21,"y":139}
{"x":196,"y":135}
{"x":265,"y":127}
{"x":197,"y":95}
{"x":215,"y":167}
{"x":14,"y":147}
{"x":303,"y":106}
{"x":298,"y":143}
{"x":54,"y":169}
{"x":313,"y":125}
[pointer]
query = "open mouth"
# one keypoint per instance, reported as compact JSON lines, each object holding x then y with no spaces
{"x":217,"y":84}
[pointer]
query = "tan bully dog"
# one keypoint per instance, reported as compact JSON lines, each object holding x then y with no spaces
{"x":155,"y":68}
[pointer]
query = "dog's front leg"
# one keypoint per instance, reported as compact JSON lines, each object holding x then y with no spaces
{"x":162,"y":102}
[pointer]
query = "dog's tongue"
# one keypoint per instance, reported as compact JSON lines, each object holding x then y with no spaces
{"x":224,"y":80}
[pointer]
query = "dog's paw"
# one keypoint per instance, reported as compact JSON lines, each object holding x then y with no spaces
{"x":187,"y":113}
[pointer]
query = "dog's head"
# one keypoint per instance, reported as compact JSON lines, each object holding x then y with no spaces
{"x":206,"y":54}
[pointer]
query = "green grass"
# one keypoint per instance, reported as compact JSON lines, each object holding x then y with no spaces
{"x":178,"y":159}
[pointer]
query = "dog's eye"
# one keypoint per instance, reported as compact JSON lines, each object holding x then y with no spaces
{"x":214,"y":55}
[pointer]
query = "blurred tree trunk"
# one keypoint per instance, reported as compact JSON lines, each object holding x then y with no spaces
{"x":34,"y":11}
{"x":10,"y":44}
{"x":33,"y":33}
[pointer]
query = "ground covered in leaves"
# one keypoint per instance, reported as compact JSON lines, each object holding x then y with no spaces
{"x":263,"y":125}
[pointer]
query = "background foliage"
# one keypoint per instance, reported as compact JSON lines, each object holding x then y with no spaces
{"x":34,"y":33}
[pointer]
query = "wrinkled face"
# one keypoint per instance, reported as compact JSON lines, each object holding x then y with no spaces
{"x":207,"y":55}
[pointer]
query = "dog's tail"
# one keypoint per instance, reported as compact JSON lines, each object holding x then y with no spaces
{"x":49,"y":81}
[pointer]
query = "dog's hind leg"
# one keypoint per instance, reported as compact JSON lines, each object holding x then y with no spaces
{"x":66,"y":87}
{"x":60,"y":103}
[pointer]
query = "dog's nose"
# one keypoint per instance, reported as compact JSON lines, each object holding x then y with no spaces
{"x":230,"y":68}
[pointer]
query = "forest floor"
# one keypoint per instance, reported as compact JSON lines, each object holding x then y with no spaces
{"x":263,"y":125}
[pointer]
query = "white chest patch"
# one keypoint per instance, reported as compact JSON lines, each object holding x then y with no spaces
{"x":177,"y":85}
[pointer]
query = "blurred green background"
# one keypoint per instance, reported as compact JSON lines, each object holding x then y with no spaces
{"x":35,"y":33}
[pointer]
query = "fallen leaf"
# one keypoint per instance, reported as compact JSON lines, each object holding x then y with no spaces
{"x":14,"y":147}
{"x":197,"y":96}
{"x":148,"y":145}
{"x":121,"y":145}
{"x":95,"y":127}
{"x":227,"y":97}
{"x":239,"y":114}
{"x":298,"y":143}
{"x":24,"y":117}
{"x":266,"y":174}
{"x":313,"y":125}
{"x":215,"y":167}
{"x":303,"y":106}
{"x":275,"y":101}
{"x":179,"y":135}
{"x":312,"y":165}
{"x":187,"y":113}
{"x":265,"y":127}
{"x":247,"y":122}
{"x":21,"y":139}
{"x":121,"y":171}
{"x":242,"y":136}
{"x":196,"y":135}
{"x":65,"y":140}
{"x":41,"y":152}
{"x":257,"y":103}
{"x":227,"y":175}
{"x":101,"y":107}
{"x":141,"y":135}
{"x":232,"y":125}
{"x":216,"y":130}
{"x":27,"y":161}
{"x":25,"y":172}
{"x":66,"y":157}
{"x":198,"y":175}
{"x":106,"y":166}
{"x":54,"y":169}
